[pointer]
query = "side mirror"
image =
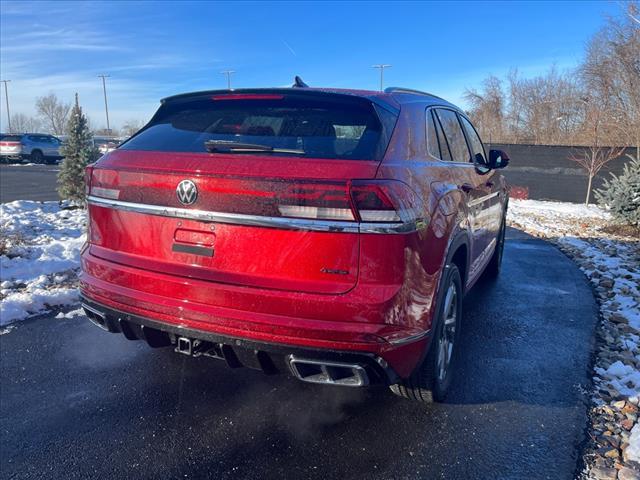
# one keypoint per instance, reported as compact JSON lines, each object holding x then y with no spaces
{"x":497,"y":159}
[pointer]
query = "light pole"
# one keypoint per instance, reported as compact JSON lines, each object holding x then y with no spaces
{"x":381,"y":66}
{"x":228,"y":73}
{"x":6,"y":97}
{"x":106,"y":107}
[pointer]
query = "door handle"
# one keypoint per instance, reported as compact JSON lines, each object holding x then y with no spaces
{"x":466,"y":187}
{"x":489,"y":184}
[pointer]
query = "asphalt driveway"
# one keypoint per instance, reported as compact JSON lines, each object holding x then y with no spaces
{"x":77,"y":402}
{"x":28,"y":182}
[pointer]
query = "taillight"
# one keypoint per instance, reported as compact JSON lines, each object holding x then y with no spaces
{"x":385,"y":201}
{"x":88,"y":171}
{"x":316,"y":201}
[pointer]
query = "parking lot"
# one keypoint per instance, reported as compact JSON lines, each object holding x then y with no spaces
{"x":28,"y":182}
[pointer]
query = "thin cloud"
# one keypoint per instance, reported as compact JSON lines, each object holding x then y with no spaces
{"x":59,"y":46}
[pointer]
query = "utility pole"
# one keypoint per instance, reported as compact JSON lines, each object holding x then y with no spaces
{"x":381,"y":66}
{"x":106,"y":107}
{"x":228,"y":73}
{"x":6,"y":97}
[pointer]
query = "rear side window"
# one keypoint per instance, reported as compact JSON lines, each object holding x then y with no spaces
{"x":454,"y":135}
{"x":433,"y":145}
{"x":436,"y":142}
{"x":293,"y":125}
{"x":477,"y":149}
{"x":10,"y":138}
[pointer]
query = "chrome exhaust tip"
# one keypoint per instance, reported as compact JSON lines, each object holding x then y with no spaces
{"x":328,"y":373}
{"x":96,"y":317}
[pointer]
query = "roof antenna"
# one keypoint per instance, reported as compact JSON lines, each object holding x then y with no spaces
{"x":298,"y":83}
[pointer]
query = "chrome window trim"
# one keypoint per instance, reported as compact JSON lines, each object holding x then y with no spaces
{"x":259,"y":221}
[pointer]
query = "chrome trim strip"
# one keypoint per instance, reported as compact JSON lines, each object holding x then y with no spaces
{"x":411,"y":338}
{"x":259,"y":221}
{"x":234,"y":218}
{"x":478,"y":201}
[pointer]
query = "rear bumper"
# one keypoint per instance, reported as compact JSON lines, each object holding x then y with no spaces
{"x":271,"y":358}
{"x":11,"y":155}
{"x":351,"y":322}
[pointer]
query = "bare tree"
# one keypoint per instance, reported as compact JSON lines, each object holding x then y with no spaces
{"x":487,"y":109}
{"x":592,"y":159}
{"x":21,"y":123}
{"x":611,"y":73}
{"x":542,"y":109}
{"x":130,"y":127}
{"x":551,"y":108}
{"x":53,"y":112}
{"x":104,"y":132}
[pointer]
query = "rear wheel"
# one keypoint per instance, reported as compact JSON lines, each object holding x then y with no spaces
{"x":37,"y":156}
{"x":431,"y":380}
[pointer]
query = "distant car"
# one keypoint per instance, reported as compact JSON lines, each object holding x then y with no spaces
{"x":34,"y":147}
{"x":106,"y":144}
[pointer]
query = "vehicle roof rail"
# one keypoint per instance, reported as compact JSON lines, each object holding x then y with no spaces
{"x":408,"y":90}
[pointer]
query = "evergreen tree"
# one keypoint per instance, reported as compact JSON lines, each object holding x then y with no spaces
{"x":78,"y":151}
{"x":621,"y":194}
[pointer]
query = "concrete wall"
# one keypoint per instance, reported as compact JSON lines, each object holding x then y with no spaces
{"x":544,"y":172}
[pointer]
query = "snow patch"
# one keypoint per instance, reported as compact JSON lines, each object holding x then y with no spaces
{"x":40,"y":257}
{"x":633,"y":450}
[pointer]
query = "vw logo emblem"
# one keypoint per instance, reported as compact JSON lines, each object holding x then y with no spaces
{"x":187,"y":192}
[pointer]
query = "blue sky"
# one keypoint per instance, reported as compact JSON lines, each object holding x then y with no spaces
{"x":155,"y":49}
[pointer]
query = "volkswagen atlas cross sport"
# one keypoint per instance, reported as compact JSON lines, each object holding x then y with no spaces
{"x":327,"y":233}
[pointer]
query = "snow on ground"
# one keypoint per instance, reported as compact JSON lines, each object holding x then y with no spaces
{"x":612,"y":265}
{"x":633,"y":450}
{"x":40,"y":246}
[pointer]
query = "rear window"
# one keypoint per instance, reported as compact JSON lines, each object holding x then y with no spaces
{"x":307,"y":127}
{"x":10,"y":138}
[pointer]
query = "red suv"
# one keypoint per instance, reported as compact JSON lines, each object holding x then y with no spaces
{"x":327,"y":233}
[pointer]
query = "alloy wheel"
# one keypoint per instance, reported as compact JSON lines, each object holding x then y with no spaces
{"x":447,"y":332}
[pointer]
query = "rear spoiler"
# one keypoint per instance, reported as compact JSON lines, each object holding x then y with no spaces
{"x":387,"y":102}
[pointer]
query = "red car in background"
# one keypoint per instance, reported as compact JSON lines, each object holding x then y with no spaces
{"x":327,"y":233}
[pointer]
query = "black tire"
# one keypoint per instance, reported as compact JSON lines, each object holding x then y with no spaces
{"x":495,"y":264}
{"x":37,"y":156}
{"x":431,"y":380}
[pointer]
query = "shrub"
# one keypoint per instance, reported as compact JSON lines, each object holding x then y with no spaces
{"x":78,"y":152}
{"x":621,"y":194}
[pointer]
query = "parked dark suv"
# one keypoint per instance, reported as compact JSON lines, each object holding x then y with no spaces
{"x":34,"y":147}
{"x":326,"y":233}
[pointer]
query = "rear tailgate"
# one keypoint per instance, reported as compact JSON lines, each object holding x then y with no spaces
{"x":10,"y":145}
{"x":237,"y":253}
{"x":245,"y":223}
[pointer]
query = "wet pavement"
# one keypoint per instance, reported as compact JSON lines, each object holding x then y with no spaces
{"x":76,"y":402}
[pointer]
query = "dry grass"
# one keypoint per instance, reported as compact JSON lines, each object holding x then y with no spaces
{"x":8,"y":241}
{"x":622,"y":230}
